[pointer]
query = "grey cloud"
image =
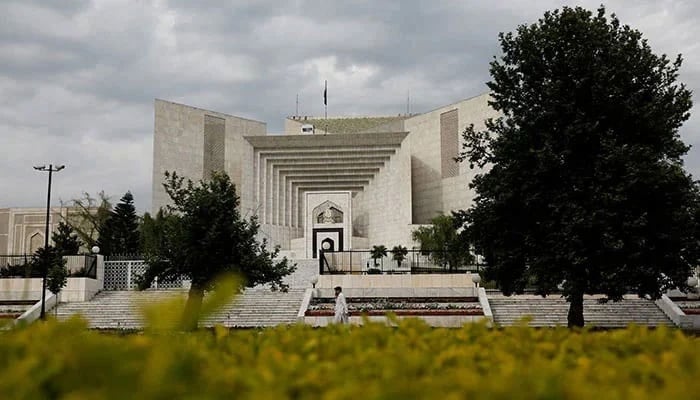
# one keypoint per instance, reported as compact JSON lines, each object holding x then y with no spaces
{"x":78,"y":78}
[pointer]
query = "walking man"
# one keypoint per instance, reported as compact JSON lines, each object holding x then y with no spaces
{"x":341,"y":307}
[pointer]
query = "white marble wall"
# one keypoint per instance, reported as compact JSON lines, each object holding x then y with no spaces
{"x":387,"y":201}
{"x":431,"y":193}
{"x":178,"y":145}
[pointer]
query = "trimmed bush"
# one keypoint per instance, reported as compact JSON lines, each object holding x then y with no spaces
{"x":52,"y":360}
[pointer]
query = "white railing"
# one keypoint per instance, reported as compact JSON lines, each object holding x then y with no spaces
{"x":125,"y":275}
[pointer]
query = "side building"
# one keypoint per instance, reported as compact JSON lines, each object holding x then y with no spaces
{"x":342,"y":183}
{"x":22,"y":229}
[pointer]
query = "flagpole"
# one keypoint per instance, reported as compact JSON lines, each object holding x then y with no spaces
{"x":325,"y":104}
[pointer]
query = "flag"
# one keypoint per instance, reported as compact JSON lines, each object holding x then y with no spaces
{"x":325,"y":94}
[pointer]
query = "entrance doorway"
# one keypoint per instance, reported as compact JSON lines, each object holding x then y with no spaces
{"x":332,"y":236}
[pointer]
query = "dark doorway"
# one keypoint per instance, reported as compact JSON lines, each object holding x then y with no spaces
{"x":334,"y":246}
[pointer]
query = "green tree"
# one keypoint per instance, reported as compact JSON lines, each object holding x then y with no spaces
{"x":87,"y":215}
{"x":49,"y":260}
{"x":399,"y":254}
{"x":202,"y":236}
{"x":152,"y":231}
{"x":66,"y":240}
{"x":56,"y":279}
{"x":119,"y":234}
{"x":585,"y":184}
{"x":442,"y":241}
{"x":378,"y":253}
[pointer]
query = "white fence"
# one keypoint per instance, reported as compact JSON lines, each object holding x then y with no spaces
{"x":125,"y":274}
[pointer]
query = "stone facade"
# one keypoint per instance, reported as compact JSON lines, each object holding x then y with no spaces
{"x":22,"y":229}
{"x":397,"y":172}
{"x":181,"y":135}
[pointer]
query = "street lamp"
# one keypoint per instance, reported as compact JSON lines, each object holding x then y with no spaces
{"x":476,"y":278}
{"x":693,"y":283}
{"x":50,"y":169}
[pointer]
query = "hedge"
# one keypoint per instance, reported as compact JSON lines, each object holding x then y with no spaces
{"x":409,"y":361}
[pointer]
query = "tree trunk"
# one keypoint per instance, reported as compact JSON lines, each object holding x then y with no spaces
{"x":575,"y":317}
{"x":193,"y":306}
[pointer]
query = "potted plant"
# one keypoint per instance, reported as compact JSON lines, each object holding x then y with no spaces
{"x":399,"y":254}
{"x":378,"y":252}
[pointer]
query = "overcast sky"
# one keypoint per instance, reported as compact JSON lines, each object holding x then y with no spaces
{"x":78,"y":77}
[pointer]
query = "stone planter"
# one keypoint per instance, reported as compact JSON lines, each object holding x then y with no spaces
{"x":402,"y":313}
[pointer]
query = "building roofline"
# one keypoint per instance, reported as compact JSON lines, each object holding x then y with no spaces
{"x":333,"y":139}
{"x":313,"y":117}
{"x":452,"y":104}
{"x":35,"y":209}
{"x":206,"y":110}
{"x":400,"y":116}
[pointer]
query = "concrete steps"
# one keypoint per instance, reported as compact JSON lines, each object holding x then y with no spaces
{"x":256,"y":307}
{"x":552,"y":311}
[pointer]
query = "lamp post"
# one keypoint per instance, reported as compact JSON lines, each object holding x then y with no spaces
{"x":693,"y":283}
{"x":50,"y":169}
{"x":476,"y":278}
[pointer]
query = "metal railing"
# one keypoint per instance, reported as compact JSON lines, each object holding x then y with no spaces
{"x":21,"y":266}
{"x":414,"y":262}
{"x":124,"y":257}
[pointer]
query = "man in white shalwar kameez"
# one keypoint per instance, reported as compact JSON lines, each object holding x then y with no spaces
{"x":341,"y":307}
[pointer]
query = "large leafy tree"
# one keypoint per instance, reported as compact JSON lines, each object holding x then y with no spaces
{"x":202,"y":236}
{"x":66,"y":240}
{"x":442,"y":241}
{"x":119,"y":234}
{"x":585,"y":182}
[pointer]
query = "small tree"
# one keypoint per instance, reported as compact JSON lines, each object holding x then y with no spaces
{"x":66,"y":240}
{"x":442,"y":241}
{"x":202,"y":236}
{"x":378,"y":252}
{"x":56,"y":279}
{"x":585,"y":182}
{"x":120,"y":232}
{"x":399,"y":254}
{"x":50,"y":261}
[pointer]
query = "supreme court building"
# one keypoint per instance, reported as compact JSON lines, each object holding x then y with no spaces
{"x":349,"y":182}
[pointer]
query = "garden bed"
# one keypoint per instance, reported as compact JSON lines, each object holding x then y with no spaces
{"x":401,"y":306}
{"x":688,"y":306}
{"x":401,"y":313}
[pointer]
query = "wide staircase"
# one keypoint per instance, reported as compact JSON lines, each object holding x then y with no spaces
{"x":256,"y":307}
{"x":553,"y":310}
{"x":11,"y":309}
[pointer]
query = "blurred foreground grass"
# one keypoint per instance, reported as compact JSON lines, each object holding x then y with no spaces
{"x":65,"y":360}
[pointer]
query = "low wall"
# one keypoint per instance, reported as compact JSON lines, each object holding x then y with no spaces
{"x":76,"y":289}
{"x":34,"y":312}
{"x":485,"y":305}
{"x":443,"y":321}
{"x":356,"y":292}
{"x":681,"y":319}
{"x":308,"y":294}
{"x":463,"y":280}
